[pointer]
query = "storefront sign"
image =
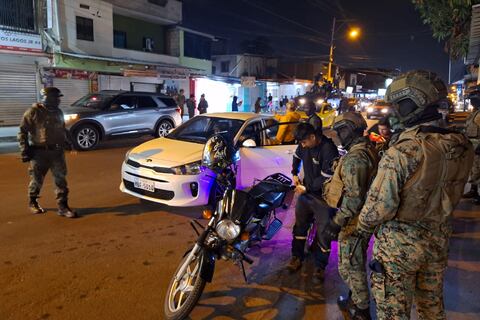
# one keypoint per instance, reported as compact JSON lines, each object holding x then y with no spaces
{"x":248,"y":82}
{"x":139,"y":73}
{"x":16,"y":41}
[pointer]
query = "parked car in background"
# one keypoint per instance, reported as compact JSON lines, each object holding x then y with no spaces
{"x":379,"y":109}
{"x":168,"y":170}
{"x":108,"y":114}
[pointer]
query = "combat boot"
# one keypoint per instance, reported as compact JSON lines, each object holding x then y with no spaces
{"x":34,"y":207}
{"x":295,"y":264}
{"x":65,"y":211}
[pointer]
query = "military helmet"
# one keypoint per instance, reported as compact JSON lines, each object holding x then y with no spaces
{"x":353,"y":117}
{"x":422,"y":87}
{"x":51,"y":91}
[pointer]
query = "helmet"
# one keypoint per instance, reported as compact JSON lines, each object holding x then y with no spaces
{"x":423,"y":87}
{"x":51,"y":91}
{"x":218,"y":153}
{"x":354,"y":117}
{"x":349,"y":126}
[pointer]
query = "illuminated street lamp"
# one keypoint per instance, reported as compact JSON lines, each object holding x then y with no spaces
{"x":353,"y":34}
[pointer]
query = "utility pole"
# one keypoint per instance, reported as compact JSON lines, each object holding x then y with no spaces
{"x":330,"y":60}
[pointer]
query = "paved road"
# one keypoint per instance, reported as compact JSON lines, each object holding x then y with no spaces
{"x":115,"y":261}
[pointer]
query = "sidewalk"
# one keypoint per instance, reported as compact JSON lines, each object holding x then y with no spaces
{"x":8,"y":134}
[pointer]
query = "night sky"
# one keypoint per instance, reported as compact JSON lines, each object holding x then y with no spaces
{"x":393,"y":35}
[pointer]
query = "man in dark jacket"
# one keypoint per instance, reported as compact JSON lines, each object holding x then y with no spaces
{"x":316,"y":152}
{"x":313,"y":118}
{"x":202,"y":105}
{"x":191,"y":106}
{"x":42,"y":139}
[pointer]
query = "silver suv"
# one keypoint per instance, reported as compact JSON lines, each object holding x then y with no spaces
{"x":108,"y":114}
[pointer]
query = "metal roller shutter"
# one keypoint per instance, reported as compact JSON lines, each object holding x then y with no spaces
{"x":72,"y":90}
{"x":18,"y":91}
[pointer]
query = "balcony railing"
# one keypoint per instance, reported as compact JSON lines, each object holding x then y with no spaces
{"x":18,"y":15}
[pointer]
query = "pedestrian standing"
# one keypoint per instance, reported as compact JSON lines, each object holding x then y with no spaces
{"x":191,"y":106}
{"x":202,"y":105}
{"x":235,"y":104}
{"x":181,"y":102}
{"x":419,"y":182}
{"x":313,"y":118}
{"x":43,"y":139}
{"x":258,"y":106}
{"x":347,"y":190}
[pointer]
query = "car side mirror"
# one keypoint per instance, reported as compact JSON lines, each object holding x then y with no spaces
{"x":249,"y":143}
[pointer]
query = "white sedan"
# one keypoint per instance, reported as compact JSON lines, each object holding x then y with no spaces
{"x":168,"y":170}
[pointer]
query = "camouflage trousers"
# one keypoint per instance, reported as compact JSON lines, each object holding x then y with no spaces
{"x":475,"y":172}
{"x":42,"y":161}
{"x":414,"y":261}
{"x":353,"y":271}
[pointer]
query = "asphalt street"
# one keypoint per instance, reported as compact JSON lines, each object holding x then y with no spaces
{"x":115,"y":261}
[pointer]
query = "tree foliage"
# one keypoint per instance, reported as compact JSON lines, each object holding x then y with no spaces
{"x":449,"y":21}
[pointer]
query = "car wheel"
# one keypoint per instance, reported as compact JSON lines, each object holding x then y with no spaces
{"x":86,"y":138}
{"x":163,"y":128}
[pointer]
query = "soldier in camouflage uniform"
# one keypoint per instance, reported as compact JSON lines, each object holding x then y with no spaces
{"x":347,"y":190}
{"x":419,"y":182}
{"x":42,"y":140}
{"x":472,"y":131}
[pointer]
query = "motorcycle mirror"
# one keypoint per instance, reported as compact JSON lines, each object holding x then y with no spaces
{"x":249,"y":143}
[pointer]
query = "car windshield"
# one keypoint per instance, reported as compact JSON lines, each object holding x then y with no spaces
{"x":94,"y":100}
{"x":199,"y":129}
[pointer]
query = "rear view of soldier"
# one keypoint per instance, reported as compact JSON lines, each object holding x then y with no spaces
{"x":419,"y":182}
{"x":42,"y":139}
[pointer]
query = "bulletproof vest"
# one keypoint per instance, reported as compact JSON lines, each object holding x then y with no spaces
{"x":48,"y":126}
{"x":433,"y":191}
{"x":333,"y":188}
{"x":472,"y":130}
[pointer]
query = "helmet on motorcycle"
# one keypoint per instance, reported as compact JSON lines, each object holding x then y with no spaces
{"x":413,"y":92}
{"x":218,"y":153}
{"x":349,"y":126}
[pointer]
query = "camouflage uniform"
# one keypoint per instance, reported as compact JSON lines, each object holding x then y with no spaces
{"x":472,"y":130}
{"x":419,"y":181}
{"x":358,"y":168}
{"x":43,"y":137}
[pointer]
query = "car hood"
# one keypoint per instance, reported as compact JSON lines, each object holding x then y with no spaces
{"x":79,"y":110}
{"x":167,"y":152}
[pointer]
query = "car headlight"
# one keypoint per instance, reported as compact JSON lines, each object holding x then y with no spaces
{"x":302,"y":100}
{"x":384,"y":110}
{"x":189,"y":168}
{"x":227,"y":229}
{"x":369,"y":109}
{"x":70,"y":117}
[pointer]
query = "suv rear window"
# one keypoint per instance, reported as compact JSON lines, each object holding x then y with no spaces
{"x":169,"y":102}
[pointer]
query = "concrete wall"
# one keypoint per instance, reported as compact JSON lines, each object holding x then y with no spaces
{"x":100,"y":12}
{"x":233,"y":59}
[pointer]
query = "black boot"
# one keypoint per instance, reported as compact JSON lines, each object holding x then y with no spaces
{"x":65,"y":211}
{"x":350,"y":311}
{"x":344,"y":302}
{"x":34,"y":207}
{"x":473,"y":193}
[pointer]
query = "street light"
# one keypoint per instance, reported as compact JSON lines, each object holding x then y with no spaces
{"x":353,"y":34}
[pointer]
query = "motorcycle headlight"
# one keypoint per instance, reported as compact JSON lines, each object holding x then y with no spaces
{"x":369,"y":109}
{"x":227,"y":229}
{"x":189,"y":168}
{"x":384,"y":110}
{"x":70,"y":117}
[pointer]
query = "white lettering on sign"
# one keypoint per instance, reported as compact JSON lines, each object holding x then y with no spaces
{"x":11,"y":40}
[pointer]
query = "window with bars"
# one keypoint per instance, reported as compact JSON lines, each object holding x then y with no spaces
{"x":18,"y":15}
{"x":84,"y":28}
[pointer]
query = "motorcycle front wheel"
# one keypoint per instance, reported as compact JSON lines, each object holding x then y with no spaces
{"x":186,"y":286}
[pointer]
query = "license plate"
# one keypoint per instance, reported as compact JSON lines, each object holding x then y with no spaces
{"x":144,"y":184}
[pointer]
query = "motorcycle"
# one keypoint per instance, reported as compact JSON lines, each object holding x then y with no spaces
{"x":241,"y":218}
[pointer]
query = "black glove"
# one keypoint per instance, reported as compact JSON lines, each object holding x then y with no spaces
{"x":27,"y":155}
{"x":328,"y":234}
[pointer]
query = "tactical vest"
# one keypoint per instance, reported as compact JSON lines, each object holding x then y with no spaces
{"x":48,"y":126}
{"x":472,"y":130}
{"x":436,"y":187}
{"x":333,"y":188}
